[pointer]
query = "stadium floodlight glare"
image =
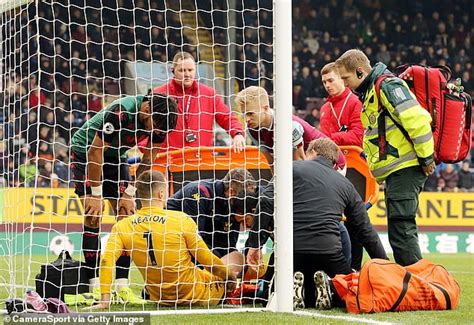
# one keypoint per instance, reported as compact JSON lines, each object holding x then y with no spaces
{"x":61,"y":62}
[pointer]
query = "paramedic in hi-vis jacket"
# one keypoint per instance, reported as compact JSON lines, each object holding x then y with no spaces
{"x":398,"y":143}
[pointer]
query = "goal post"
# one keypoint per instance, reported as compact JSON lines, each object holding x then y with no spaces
{"x":283,"y":157}
{"x":62,"y":62}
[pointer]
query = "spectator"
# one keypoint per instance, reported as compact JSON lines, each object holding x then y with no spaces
{"x":307,"y":83}
{"x":466,"y":178}
{"x":45,"y":151}
{"x":44,"y":174}
{"x":450,"y":177}
{"x":28,"y":172}
{"x":94,"y":101}
{"x":441,"y":185}
{"x":59,"y":144}
{"x":431,"y":183}
{"x":299,"y":101}
{"x":345,"y":44}
{"x":430,"y":56}
{"x":313,"y":118}
{"x":61,"y":171}
{"x":318,"y":85}
{"x":398,"y":37}
{"x":383,"y":55}
{"x":198,"y":107}
{"x":467,"y":81}
{"x":410,"y":38}
{"x":457,"y":71}
{"x":49,"y":120}
{"x":312,"y":43}
{"x":441,"y":38}
{"x":461,"y":57}
{"x":3,"y":153}
{"x":37,"y":97}
{"x":326,"y":42}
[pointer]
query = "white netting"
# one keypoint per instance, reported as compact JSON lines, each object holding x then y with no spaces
{"x":63,"y":62}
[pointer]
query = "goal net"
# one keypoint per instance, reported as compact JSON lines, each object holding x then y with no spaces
{"x":62,"y":64}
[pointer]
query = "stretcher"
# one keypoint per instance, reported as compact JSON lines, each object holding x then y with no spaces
{"x":359,"y":174}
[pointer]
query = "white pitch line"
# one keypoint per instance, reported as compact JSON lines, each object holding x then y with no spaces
{"x":345,"y":318}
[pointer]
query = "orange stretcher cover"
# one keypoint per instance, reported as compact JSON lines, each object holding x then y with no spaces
{"x":359,"y":174}
{"x":185,"y":165}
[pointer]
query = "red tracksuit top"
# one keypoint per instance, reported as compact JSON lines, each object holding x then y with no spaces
{"x":197,"y":116}
{"x":350,"y":117}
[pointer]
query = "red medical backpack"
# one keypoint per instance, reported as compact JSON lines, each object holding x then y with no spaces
{"x":450,"y":111}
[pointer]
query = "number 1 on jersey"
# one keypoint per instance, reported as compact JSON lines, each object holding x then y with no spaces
{"x":149,"y":244}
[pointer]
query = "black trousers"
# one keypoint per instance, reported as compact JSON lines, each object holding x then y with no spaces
{"x":331,"y":264}
{"x":402,"y":189}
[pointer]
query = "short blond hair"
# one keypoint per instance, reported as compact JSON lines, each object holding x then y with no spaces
{"x":330,"y":67}
{"x":252,"y":94}
{"x":326,"y":148}
{"x":353,"y":59}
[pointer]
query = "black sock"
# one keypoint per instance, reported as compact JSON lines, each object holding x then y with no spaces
{"x":123,"y":266}
{"x":91,"y":250}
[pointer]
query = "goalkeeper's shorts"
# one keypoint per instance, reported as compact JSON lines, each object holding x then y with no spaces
{"x":204,"y":290}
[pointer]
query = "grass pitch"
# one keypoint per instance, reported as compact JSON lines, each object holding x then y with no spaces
{"x":22,"y":270}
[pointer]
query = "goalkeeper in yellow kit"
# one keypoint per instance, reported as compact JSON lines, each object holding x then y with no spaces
{"x":162,"y":244}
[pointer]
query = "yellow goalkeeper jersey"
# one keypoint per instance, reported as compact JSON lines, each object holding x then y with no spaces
{"x":161,"y":244}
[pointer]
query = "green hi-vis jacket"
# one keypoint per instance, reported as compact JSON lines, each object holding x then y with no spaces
{"x":401,"y":104}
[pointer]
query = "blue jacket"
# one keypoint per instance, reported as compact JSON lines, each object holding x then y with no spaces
{"x":206,"y":203}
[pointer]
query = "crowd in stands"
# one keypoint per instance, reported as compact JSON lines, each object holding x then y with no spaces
{"x":451,"y":178}
{"x":58,"y":82}
{"x":430,"y":33}
{"x":54,"y":85}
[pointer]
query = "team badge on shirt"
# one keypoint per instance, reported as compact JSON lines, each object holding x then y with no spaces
{"x":108,"y":128}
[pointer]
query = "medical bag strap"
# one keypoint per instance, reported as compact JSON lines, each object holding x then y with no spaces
{"x":406,"y":280}
{"x":445,"y":294}
{"x":381,"y":126}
